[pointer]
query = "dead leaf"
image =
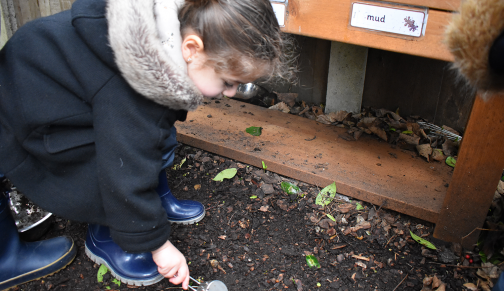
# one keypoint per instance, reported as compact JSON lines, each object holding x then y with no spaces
{"x":395,"y":116}
{"x":327,"y":223}
{"x":341,"y":115}
{"x":437,"y":155}
{"x":317,"y":110}
{"x":283,"y":205}
{"x":362,"y":225}
{"x":488,"y":270}
{"x":424,"y":150}
{"x":281,"y":107}
{"x":427,"y":281}
{"x":410,"y":139}
{"x":449,"y":148}
{"x":288,"y":98}
{"x":470,"y":286}
{"x":500,"y":187}
{"x":197,"y":187}
{"x":379,"y":132}
{"x":324,"y":119}
{"x":357,"y":134}
{"x":367,"y":121}
{"x":264,"y":208}
{"x":331,"y":232}
{"x":346,"y":207}
{"x":436,"y":282}
{"x":442,"y":287}
{"x":305,"y":109}
{"x":223,"y":237}
{"x":244,"y":224}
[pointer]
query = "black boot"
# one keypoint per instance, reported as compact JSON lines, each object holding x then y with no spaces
{"x":21,"y":261}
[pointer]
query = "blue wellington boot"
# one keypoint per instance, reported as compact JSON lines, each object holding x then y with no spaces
{"x":21,"y":261}
{"x":132,"y":268}
{"x":499,"y":286}
{"x":178,"y":211}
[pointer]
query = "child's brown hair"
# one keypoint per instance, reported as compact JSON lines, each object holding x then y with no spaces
{"x":240,"y":36}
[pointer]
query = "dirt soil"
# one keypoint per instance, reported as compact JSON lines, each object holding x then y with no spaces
{"x":256,"y":237}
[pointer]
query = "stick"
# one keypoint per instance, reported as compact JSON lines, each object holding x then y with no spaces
{"x":463,"y":267}
{"x":400,"y":282}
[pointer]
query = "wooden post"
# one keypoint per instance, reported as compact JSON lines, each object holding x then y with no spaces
{"x":26,"y":10}
{"x":477,"y":173}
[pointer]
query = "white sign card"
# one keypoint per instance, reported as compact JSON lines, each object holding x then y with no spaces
{"x":388,"y":19}
{"x":279,"y":10}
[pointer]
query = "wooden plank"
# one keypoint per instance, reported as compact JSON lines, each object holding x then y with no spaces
{"x":26,"y":10}
{"x":303,"y":149}
{"x":329,"y":19}
{"x":449,"y":5}
{"x":477,"y":173}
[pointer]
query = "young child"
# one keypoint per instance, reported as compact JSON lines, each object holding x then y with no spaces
{"x":88,"y":102}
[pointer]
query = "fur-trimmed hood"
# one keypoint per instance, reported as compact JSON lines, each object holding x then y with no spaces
{"x":470,"y":36}
{"x":143,"y":61}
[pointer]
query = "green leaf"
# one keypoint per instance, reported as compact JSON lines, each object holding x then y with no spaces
{"x":422,"y":241}
{"x":359,"y":206}
{"x":407,"y":132}
{"x":255,"y":131}
{"x":179,"y":165}
{"x":107,"y":287}
{"x":331,"y":217}
{"x":392,"y":129}
{"x":318,"y":284}
{"x":326,"y":195}
{"x":101,"y":271}
{"x":312,"y":261}
{"x":290,"y":188}
{"x":450,"y":161}
{"x":117,"y":282}
{"x":483,"y":256}
{"x":264,"y":165}
{"x":226,"y":174}
{"x":253,"y":197}
{"x":502,"y":179}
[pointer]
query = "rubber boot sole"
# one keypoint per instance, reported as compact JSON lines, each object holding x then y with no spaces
{"x":100,"y":261}
{"x":38,"y":274}
{"x":189,"y":221}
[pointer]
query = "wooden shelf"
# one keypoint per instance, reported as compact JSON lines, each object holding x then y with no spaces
{"x":368,"y":169}
{"x":329,"y":19}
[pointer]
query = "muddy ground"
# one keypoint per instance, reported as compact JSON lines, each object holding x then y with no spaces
{"x":256,"y":237}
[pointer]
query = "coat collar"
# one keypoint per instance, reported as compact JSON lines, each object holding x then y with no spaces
{"x":143,"y":61}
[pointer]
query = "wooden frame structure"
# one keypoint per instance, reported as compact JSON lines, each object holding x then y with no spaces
{"x":458,"y":208}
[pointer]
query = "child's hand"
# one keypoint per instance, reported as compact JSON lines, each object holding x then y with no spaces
{"x":172,"y":264}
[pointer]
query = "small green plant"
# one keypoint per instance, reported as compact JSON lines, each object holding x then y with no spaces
{"x":264,"y":166}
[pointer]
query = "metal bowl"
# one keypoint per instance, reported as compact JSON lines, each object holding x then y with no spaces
{"x":249,"y":90}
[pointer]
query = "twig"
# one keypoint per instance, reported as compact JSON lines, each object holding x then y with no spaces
{"x":477,"y":228}
{"x":400,"y":282}
{"x":394,"y":236}
{"x":457,"y":266}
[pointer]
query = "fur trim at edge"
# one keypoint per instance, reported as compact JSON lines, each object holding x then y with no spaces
{"x":469,"y":37}
{"x":141,"y":58}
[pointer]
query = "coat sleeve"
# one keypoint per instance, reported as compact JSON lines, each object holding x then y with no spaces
{"x":128,"y":134}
